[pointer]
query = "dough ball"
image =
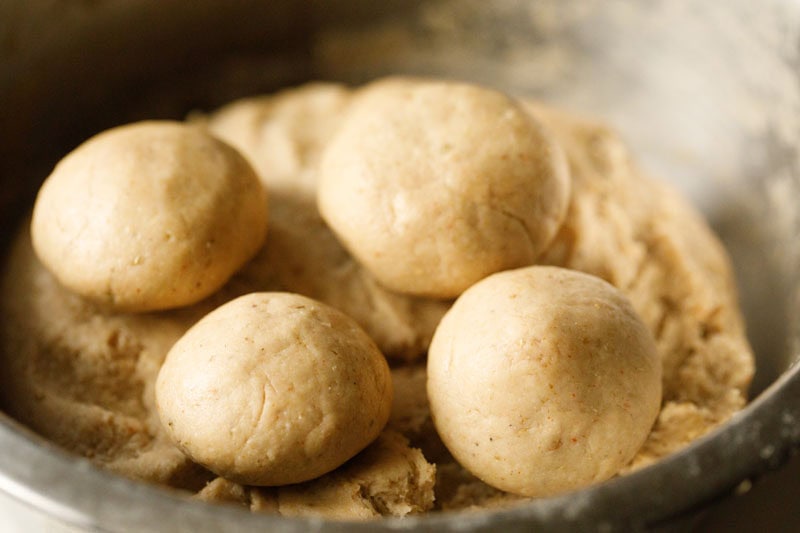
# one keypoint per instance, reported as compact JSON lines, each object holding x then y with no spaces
{"x":543,"y":380}
{"x":272,"y":389}
{"x":151,"y":215}
{"x":435,"y":185}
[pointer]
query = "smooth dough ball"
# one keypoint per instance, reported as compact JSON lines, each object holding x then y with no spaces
{"x":434,"y":185}
{"x":272,"y":389}
{"x":151,"y":215}
{"x":543,"y":380}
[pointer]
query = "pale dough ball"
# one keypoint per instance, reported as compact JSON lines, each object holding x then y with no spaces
{"x":274,"y":388}
{"x":434,"y":185}
{"x":542,"y":380}
{"x":151,"y":215}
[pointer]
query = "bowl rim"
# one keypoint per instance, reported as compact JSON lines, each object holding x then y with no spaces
{"x":38,"y":474}
{"x":758,"y":438}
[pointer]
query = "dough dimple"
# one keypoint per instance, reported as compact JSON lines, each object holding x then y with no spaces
{"x":434,"y":185}
{"x":148,"y":216}
{"x":272,"y":389}
{"x":543,"y":380}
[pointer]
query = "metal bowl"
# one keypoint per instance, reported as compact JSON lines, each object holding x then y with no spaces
{"x":707,"y":94}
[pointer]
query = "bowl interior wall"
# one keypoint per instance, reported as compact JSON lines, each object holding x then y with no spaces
{"x":707,"y":94}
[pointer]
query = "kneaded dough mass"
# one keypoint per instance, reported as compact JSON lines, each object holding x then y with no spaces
{"x":273,"y":389}
{"x":83,"y":376}
{"x":150,"y":215}
{"x":388,"y":478}
{"x":543,"y":380}
{"x":434,"y":185}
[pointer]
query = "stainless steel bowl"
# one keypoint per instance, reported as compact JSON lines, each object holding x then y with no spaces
{"x":708,"y":95}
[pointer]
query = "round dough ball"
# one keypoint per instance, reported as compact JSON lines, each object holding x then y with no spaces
{"x":272,"y":389}
{"x":435,"y":185}
{"x":151,"y":215}
{"x":543,"y":380}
